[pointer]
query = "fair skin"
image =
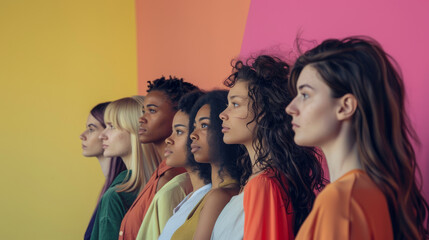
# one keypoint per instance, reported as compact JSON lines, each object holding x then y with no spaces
{"x":155,"y":127}
{"x":235,"y":119}
{"x":217,"y":198}
{"x":175,"y":152}
{"x":117,"y":143}
{"x":92,"y":146}
{"x":322,"y":121}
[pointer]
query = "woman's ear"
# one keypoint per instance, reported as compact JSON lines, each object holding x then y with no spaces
{"x":347,"y":106}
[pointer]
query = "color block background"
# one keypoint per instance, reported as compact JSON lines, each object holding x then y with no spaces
{"x":400,"y":27}
{"x":60,"y":58}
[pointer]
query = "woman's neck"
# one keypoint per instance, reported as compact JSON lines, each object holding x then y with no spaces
{"x":252,"y":155}
{"x":342,"y":154}
{"x":196,"y":181}
{"x":127,"y":161}
{"x":104,"y":164}
{"x":216,"y":180}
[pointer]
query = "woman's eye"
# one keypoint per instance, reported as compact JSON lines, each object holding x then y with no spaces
{"x":90,"y":130}
{"x":304,"y":95}
{"x":235,"y":105}
{"x":204,"y":125}
{"x":179,"y":132}
{"x":152,"y":111}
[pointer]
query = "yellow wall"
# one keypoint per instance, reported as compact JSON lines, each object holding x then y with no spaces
{"x":57,"y":60}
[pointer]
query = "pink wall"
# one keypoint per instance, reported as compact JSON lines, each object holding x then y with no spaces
{"x":401,"y":27}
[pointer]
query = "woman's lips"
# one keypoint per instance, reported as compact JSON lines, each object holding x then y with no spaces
{"x":105,"y":146}
{"x":194,"y":148}
{"x":294,"y":125}
{"x":142,"y":131}
{"x":225,"y":129}
{"x":167,"y":152}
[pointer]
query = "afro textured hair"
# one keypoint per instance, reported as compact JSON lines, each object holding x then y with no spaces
{"x":173,"y":87}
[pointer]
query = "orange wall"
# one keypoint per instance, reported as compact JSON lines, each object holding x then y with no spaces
{"x":192,"y":39}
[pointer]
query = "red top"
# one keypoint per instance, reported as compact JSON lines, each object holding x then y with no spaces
{"x":352,"y":207}
{"x":265,"y":213}
{"x":134,"y":217}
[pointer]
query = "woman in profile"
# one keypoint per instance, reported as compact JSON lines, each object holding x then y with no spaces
{"x":92,"y":146}
{"x":280,"y":178}
{"x":207,"y":147}
{"x":120,"y":139}
{"x":175,"y":200}
{"x":350,"y":103}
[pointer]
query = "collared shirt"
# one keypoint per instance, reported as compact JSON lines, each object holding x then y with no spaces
{"x":112,"y":208}
{"x":161,"y":208}
{"x":133,"y":219}
{"x":182,"y":211}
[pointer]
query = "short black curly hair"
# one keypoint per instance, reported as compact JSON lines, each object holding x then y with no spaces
{"x":185,"y":105}
{"x":226,"y":155}
{"x":173,"y":87}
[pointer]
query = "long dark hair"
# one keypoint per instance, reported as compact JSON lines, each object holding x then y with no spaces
{"x":273,"y":142}
{"x":360,"y":66}
{"x":185,"y":105}
{"x":225,"y":155}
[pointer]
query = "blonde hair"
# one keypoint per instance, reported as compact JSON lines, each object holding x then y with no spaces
{"x":124,"y":114}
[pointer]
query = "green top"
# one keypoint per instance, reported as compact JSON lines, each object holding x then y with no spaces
{"x":112,"y":208}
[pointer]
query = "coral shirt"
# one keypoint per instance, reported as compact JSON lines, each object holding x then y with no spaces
{"x":133,"y":219}
{"x":352,"y":207}
{"x":267,"y":209}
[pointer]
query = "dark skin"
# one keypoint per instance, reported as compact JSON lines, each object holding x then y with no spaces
{"x":218,"y":197}
{"x":155,"y":127}
{"x":177,"y":149}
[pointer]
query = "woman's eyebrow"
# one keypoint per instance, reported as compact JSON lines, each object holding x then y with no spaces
{"x":236,"y":96}
{"x":151,"y":105}
{"x":203,"y":118}
{"x":304,"y":86}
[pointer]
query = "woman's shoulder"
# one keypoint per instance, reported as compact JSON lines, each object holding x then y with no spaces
{"x":266,"y":187}
{"x":175,"y":189}
{"x":221,"y":193}
{"x":353,"y":186}
{"x":113,"y":197}
{"x":181,"y":181}
{"x":267,"y":179}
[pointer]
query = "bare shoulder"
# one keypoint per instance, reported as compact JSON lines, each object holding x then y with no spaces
{"x":219,"y":197}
